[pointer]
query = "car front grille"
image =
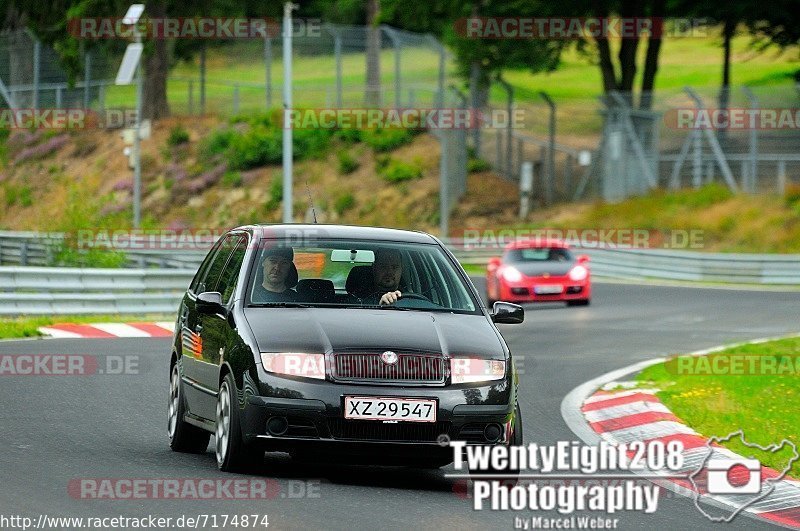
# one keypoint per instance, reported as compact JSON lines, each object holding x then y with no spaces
{"x":374,"y":430}
{"x":409,"y":368}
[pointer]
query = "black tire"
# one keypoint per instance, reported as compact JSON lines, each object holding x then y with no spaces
{"x":183,"y":437}
{"x":579,"y":302}
{"x":510,"y":476}
{"x":232,"y":452}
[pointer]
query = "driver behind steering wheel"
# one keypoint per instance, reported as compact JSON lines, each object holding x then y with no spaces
{"x":387,"y":271}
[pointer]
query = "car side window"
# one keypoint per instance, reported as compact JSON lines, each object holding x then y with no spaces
{"x":214,"y":270}
{"x":201,"y":271}
{"x":229,"y":279}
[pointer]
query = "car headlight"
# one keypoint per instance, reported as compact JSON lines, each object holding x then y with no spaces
{"x":511,"y":274}
{"x":294,"y":364}
{"x":467,"y":370}
{"x":578,"y":273}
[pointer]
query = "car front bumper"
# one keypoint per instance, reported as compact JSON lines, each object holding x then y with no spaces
{"x":317,"y":425}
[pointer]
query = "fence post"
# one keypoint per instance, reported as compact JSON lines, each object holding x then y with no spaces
{"x":58,"y":97}
{"x":87,"y":76}
{"x":551,"y":150}
{"x":203,"y":80}
{"x":191,"y":97}
{"x":697,"y":162}
{"x":782,"y":176}
{"x":444,"y":185}
{"x":509,"y":106}
{"x":268,"y":68}
{"x":337,"y":48}
{"x":397,"y":74}
{"x":101,"y":97}
{"x":752,"y":175}
{"x":37,"y":53}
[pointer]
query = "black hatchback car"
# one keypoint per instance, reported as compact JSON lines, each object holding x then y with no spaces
{"x":368,"y":343}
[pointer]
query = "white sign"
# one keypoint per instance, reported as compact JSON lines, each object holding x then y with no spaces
{"x":129,"y":63}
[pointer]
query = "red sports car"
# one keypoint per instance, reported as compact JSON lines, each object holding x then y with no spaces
{"x":539,"y":271}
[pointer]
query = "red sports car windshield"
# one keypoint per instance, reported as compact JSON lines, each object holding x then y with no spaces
{"x":546,"y":254}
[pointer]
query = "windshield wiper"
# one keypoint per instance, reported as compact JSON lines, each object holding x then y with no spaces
{"x":280,"y":305}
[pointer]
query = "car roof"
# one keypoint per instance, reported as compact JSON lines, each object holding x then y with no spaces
{"x":323,"y":231}
{"x":537,"y":243}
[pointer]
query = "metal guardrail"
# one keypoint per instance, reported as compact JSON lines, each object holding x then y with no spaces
{"x":61,"y":290}
{"x":58,"y":291}
{"x":649,"y":264}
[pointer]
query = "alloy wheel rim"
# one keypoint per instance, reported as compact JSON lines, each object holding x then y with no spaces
{"x":223,"y":423}
{"x":174,"y":396}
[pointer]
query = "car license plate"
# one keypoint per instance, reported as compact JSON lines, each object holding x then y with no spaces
{"x":391,"y":409}
{"x":548,"y":290}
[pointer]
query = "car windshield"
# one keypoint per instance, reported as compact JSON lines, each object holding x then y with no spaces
{"x":542,"y":254}
{"x":356,"y":274}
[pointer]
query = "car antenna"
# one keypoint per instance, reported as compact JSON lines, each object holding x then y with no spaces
{"x":311,"y":201}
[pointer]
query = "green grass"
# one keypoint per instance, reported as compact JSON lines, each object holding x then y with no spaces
{"x":763,"y":405}
{"x":575,"y":86}
{"x":20,"y":327}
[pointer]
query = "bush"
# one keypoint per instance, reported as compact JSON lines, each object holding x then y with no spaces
{"x":792,"y":194}
{"x":382,"y":140}
{"x":343,"y":203}
{"x":476,"y":165}
{"x":395,"y":171}
{"x":217,"y":142}
{"x":232,"y":179}
{"x":71,"y":257}
{"x":275,"y":193}
{"x":257,"y":147}
{"x":348,"y":136}
{"x":347,"y":162}
{"x":177,"y":136}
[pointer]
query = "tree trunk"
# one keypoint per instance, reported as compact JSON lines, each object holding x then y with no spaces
{"x":373,"y":89}
{"x":651,"y":59}
{"x":728,"y":31}
{"x":604,"y":50}
{"x":627,"y":53}
{"x":156,"y":70}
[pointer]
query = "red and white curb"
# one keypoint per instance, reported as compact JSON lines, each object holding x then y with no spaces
{"x":109,"y":330}
{"x":595,"y":412}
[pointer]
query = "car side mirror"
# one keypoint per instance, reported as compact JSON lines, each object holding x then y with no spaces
{"x":583,"y":258}
{"x":507,"y":313}
{"x":209,"y":302}
{"x":494,"y":263}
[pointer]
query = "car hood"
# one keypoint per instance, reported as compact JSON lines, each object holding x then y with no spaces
{"x":535,"y":269}
{"x":337,"y":329}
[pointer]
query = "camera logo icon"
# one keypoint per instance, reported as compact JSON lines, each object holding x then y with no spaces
{"x":734,"y":476}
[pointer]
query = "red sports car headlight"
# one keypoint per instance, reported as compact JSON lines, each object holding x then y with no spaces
{"x":511,"y":274}
{"x":578,"y":273}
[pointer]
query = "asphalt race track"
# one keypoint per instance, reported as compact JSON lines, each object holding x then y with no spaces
{"x":60,"y":428}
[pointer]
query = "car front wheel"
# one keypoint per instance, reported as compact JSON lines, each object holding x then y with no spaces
{"x":233,"y":454}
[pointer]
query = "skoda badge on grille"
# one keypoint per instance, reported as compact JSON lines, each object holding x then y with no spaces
{"x":389,"y":357}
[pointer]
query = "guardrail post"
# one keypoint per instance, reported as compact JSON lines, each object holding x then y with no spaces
{"x":23,"y":253}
